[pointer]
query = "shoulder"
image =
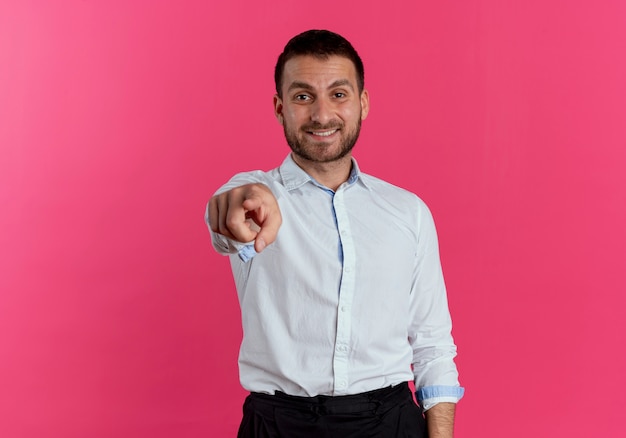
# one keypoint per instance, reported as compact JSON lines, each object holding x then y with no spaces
{"x":391,"y":192}
{"x":404,"y":205}
{"x":268,"y":178}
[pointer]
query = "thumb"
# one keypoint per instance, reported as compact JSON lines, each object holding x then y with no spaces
{"x":269,"y":230}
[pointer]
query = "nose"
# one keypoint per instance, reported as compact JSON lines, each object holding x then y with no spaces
{"x":321,"y":111}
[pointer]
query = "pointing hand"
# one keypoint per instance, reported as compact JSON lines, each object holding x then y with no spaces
{"x":246,"y":213}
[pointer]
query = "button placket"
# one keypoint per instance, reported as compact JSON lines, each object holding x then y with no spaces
{"x":346,"y":294}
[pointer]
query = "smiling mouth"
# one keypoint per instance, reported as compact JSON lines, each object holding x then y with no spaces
{"x":323,"y":133}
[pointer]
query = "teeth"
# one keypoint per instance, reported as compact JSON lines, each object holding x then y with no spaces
{"x":324,"y":133}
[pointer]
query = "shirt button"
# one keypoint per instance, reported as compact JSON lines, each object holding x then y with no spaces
{"x":348,"y":269}
{"x":342,"y":384}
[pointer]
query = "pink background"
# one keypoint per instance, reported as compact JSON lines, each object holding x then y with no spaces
{"x":119,"y":119}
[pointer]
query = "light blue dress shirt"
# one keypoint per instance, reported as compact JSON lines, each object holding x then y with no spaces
{"x":349,"y":298}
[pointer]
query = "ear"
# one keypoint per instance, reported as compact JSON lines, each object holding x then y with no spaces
{"x":278,"y":108}
{"x":365,"y":104}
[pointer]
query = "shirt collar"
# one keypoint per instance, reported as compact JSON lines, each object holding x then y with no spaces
{"x":294,"y":176}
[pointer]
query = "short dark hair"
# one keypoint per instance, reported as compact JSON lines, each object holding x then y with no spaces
{"x":321,"y":44}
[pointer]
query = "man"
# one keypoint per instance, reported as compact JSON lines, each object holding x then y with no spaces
{"x":338,"y":274}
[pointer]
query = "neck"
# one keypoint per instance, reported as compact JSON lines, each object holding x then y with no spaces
{"x":331,"y":174}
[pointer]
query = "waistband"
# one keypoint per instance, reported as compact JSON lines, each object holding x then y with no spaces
{"x":370,"y":401}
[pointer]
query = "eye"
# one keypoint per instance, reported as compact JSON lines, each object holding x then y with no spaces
{"x":302,"y":97}
{"x":339,"y":95}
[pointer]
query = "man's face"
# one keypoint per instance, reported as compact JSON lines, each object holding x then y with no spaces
{"x":321,"y":108}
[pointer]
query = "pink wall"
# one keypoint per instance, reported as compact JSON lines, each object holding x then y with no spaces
{"x":118,"y":120}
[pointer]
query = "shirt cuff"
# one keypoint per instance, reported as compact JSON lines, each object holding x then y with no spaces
{"x":247,"y":253}
{"x":429,"y":396}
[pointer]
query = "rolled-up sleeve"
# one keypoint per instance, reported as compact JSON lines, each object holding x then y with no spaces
{"x":430,"y":331}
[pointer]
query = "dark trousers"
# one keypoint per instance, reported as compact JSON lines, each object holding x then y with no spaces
{"x":383,"y":413}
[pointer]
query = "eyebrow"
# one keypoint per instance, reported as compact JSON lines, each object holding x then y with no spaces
{"x":305,"y":86}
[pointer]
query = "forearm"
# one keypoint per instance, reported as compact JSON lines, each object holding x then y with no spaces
{"x":440,"y":420}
